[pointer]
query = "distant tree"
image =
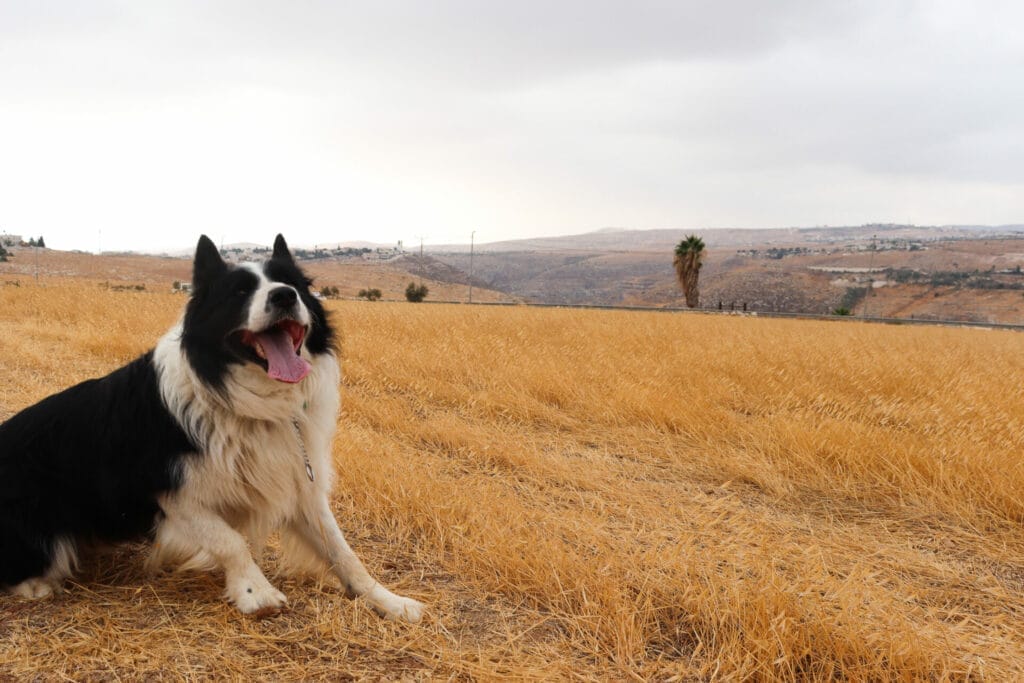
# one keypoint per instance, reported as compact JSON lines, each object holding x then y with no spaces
{"x":32,"y":242}
{"x":40,"y":242}
{"x":329,"y":292}
{"x":416,"y":293}
{"x":689,"y":257}
{"x":369,"y":294}
{"x":3,"y":254}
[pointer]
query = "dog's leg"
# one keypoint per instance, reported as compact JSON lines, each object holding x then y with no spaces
{"x":245,"y":585}
{"x":62,"y":559}
{"x":34,"y":589}
{"x":320,"y":529}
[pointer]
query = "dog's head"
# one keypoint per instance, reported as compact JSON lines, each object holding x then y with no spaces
{"x":260,"y":314}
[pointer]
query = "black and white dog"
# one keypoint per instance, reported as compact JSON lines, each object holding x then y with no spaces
{"x":211,"y":441}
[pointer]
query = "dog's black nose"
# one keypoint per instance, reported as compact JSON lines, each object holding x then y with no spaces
{"x":282,"y":297}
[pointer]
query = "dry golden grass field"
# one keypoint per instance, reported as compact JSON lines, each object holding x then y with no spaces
{"x":591,"y":495}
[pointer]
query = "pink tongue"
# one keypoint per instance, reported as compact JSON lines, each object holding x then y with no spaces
{"x":285,"y":364}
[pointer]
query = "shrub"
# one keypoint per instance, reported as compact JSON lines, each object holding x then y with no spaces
{"x":369,"y":294}
{"x":852,"y":297}
{"x":841,"y":311}
{"x":948,"y":278}
{"x":329,"y":292}
{"x":904,"y":275}
{"x":416,"y":293}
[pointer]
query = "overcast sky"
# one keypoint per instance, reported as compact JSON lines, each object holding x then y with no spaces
{"x":153,"y":122}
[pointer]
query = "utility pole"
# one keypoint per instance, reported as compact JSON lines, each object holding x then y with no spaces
{"x":471,"y":236}
{"x":421,"y":258}
{"x":871,"y":276}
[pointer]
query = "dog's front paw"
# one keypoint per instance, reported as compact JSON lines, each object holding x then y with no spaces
{"x":35,"y":589}
{"x":256,"y":597}
{"x":406,"y":609}
{"x":395,"y":607}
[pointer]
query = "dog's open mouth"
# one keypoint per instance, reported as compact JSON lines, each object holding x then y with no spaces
{"x":277,"y":347}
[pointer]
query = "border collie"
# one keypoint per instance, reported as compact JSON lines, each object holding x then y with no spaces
{"x":209,"y":442}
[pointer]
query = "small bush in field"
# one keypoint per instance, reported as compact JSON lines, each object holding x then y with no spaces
{"x":416,"y":293}
{"x":369,"y":294}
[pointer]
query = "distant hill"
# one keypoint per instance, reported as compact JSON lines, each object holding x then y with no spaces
{"x":158,"y":273}
{"x":250,"y":246}
{"x":621,"y":239}
{"x":950,"y":272}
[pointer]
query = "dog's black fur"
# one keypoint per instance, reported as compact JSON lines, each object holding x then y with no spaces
{"x":85,"y":464}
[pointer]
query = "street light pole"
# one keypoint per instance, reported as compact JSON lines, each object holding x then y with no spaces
{"x":471,"y":236}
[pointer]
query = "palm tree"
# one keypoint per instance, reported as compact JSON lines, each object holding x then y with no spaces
{"x":688,"y":260}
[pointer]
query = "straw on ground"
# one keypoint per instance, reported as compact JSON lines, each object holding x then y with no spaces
{"x":592,"y":494}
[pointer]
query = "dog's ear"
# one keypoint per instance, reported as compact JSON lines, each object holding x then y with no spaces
{"x":281,"y":249}
{"x":207,"y":264}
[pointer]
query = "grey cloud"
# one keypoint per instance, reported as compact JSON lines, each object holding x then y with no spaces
{"x":446,"y":44}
